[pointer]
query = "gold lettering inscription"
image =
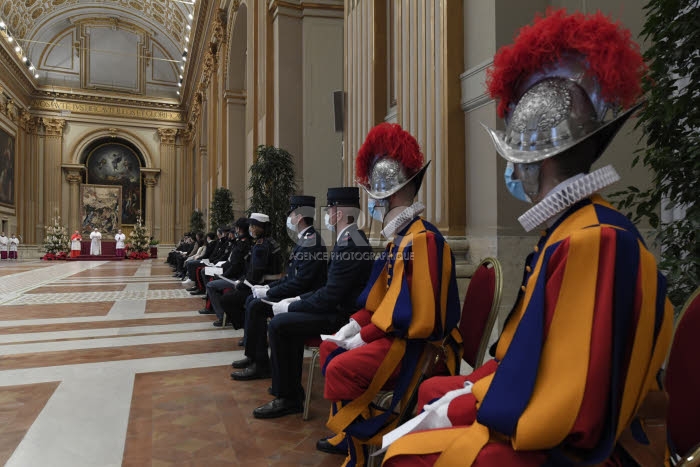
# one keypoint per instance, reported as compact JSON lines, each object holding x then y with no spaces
{"x":112,"y":110}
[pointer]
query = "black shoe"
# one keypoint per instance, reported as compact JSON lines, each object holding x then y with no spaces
{"x":204,"y":297}
{"x":251,"y":372}
{"x":242,"y":363}
{"x":204,"y":311}
{"x":278,"y":407}
{"x":323,"y":445}
{"x":218,"y":323}
{"x":193,"y":289}
{"x":198,"y":292}
{"x":241,"y":343}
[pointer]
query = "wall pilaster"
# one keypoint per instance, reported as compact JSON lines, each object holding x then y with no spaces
{"x":53,"y":153}
{"x":168,"y":176}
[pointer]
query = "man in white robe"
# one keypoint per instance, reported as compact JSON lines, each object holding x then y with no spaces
{"x":119,"y":238}
{"x":4,"y":243}
{"x":14,"y":244}
{"x":96,"y":244}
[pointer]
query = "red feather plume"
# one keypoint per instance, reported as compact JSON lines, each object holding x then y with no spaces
{"x":391,"y":140}
{"x":611,"y":54}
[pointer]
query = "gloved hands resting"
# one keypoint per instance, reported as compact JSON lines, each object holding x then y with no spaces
{"x":283,"y":305}
{"x":347,"y":337}
{"x":260,"y":291}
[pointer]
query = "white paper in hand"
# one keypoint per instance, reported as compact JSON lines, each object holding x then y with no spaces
{"x":212,"y":271}
{"x":434,"y":416}
{"x":220,"y":263}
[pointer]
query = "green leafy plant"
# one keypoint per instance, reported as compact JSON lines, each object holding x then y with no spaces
{"x":670,"y":121}
{"x":272,"y":183}
{"x":221,"y":213}
{"x":154,"y":242}
{"x":197,"y":221}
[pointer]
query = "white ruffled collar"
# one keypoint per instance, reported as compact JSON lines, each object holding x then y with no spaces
{"x":566,"y":194}
{"x":402,"y":220}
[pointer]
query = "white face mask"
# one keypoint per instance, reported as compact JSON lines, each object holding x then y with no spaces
{"x":290,"y":225}
{"x":327,"y":221}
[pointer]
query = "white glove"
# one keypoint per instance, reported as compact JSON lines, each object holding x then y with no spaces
{"x":283,"y":305}
{"x":437,"y":411}
{"x":344,"y":334}
{"x":348,"y":330}
{"x":353,"y":342}
{"x":260,"y":291}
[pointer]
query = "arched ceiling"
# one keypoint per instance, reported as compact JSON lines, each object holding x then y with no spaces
{"x":106,"y":46}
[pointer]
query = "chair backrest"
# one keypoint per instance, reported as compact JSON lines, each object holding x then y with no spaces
{"x":480,"y":309}
{"x":683,"y":378}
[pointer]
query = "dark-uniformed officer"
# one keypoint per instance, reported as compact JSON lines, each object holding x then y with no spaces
{"x":306,"y":272}
{"x":262,"y":269}
{"x":233,"y":268}
{"x":319,"y":312}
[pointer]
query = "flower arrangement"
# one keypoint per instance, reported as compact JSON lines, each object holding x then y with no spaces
{"x":138,"y":255}
{"x":56,"y":241}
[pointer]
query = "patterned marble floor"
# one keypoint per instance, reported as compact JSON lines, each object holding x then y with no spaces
{"x":109,"y":363}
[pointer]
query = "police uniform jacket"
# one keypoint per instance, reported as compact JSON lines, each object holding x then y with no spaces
{"x":348,"y":271}
{"x":306,"y":269}
{"x":235,"y":266}
{"x":261,"y":261}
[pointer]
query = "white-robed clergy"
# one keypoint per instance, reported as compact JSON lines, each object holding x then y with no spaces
{"x":14,"y":244}
{"x":96,"y":243}
{"x":119,"y":238}
{"x":4,"y":243}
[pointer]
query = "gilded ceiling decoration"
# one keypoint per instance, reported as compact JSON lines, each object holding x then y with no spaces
{"x":24,"y":17}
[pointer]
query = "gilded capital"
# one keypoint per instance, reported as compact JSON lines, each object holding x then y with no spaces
{"x":235,"y":5}
{"x":167,"y":135}
{"x":150,"y":181}
{"x":187,"y":133}
{"x":28,"y":122}
{"x":54,"y":126}
{"x":74,"y":178}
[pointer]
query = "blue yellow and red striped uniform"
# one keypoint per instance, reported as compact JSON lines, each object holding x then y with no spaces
{"x":577,"y":356}
{"x":411,"y":298}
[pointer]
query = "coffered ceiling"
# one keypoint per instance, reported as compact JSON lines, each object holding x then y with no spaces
{"x":132,"y":47}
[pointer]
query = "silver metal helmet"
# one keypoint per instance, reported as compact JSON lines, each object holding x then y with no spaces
{"x":558,"y":108}
{"x":388,"y":175}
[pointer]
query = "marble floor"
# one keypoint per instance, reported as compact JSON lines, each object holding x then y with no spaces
{"x":108,"y":363}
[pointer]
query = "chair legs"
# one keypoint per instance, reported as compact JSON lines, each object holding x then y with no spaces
{"x":310,"y":380}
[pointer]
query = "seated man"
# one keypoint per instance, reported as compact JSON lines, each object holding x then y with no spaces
{"x":234,"y":267}
{"x":322,"y":311}
{"x":306,"y":272}
{"x":410,"y":299}
{"x":591,"y":325}
{"x":222,"y":251}
{"x":262,"y":268}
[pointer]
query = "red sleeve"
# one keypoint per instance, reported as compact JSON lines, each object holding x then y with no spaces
{"x":362,"y":316}
{"x":371,"y":333}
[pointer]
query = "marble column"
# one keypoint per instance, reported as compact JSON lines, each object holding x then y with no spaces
{"x":74,"y":179}
{"x":167,"y":184}
{"x":150,"y":180}
{"x":53,"y":151}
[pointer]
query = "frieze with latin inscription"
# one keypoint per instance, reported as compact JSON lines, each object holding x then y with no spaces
{"x":100,"y":109}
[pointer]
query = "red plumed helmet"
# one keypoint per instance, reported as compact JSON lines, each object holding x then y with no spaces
{"x":389,"y":158}
{"x":557,"y":82}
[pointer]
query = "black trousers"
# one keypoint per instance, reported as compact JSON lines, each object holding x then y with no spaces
{"x":233,"y":304}
{"x":257,"y":312}
{"x":287,"y":333}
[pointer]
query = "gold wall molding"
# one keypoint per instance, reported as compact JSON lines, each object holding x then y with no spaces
{"x":109,"y":110}
{"x":19,"y":73}
{"x":167,"y":135}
